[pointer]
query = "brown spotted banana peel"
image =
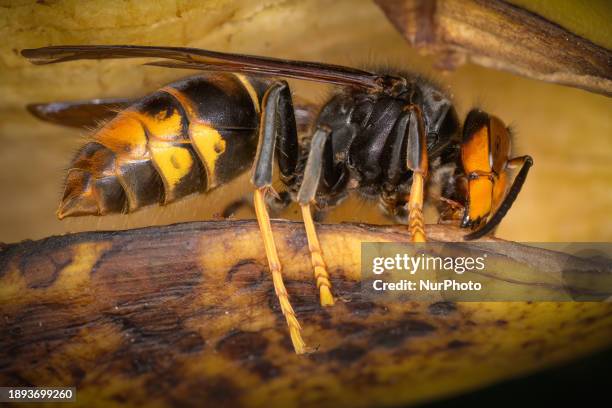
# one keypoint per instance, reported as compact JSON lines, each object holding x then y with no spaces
{"x":187,"y":314}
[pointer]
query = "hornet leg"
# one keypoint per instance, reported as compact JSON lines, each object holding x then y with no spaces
{"x":275,"y":127}
{"x":417,"y":161}
{"x":308,"y":189}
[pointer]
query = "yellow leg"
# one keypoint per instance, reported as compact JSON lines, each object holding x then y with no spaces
{"x":316,"y":254}
{"x":416,"y":223}
{"x":275,"y":267}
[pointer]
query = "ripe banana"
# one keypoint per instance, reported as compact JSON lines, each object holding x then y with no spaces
{"x":187,"y":315}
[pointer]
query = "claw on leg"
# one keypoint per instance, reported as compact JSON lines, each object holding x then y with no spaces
{"x":316,"y":254}
{"x":275,"y":267}
{"x":416,"y":222}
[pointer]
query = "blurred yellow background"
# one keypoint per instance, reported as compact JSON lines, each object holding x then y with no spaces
{"x":568,"y":196}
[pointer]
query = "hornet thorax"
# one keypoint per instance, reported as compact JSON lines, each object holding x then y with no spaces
{"x":367,"y":149}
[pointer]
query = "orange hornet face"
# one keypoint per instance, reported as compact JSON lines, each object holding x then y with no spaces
{"x":485,"y":152}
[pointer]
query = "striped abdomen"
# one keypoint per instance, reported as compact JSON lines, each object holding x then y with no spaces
{"x":188,"y":137}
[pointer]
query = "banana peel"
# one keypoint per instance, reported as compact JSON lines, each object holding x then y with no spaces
{"x":187,"y":315}
{"x":572,"y":48}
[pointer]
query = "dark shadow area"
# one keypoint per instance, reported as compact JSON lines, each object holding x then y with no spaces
{"x":578,"y":383}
